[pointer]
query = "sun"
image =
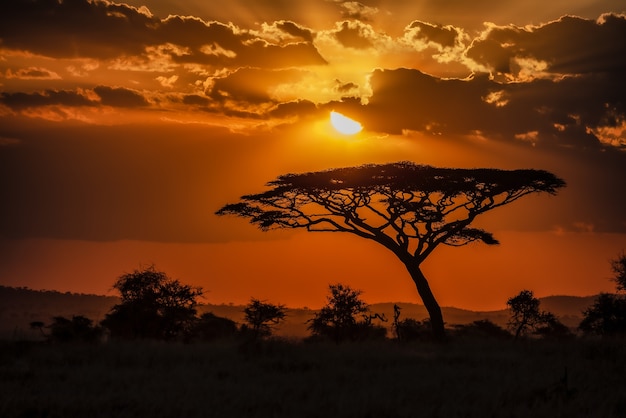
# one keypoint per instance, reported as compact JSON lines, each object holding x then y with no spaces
{"x":344,"y":124}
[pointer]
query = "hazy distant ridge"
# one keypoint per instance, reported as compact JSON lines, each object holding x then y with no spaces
{"x":20,"y":306}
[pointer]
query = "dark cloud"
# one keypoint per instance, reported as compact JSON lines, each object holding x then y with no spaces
{"x":446,"y":36}
{"x":555,"y":110}
{"x":100,"y":29}
{"x":120,"y":97}
{"x":195,"y":100}
{"x":296,"y":30}
{"x":77,"y":28}
{"x":570,"y":45}
{"x":299,"y":108}
{"x":20,"y":100}
{"x":32,"y":73}
{"x":251,"y":85}
{"x":351,"y":35}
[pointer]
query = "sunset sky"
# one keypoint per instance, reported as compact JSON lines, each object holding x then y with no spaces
{"x":125,"y":126}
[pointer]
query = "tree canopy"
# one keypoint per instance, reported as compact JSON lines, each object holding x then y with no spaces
{"x":408,"y":208}
{"x":152,"y":306}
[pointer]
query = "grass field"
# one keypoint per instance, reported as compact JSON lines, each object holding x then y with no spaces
{"x":291,"y":379}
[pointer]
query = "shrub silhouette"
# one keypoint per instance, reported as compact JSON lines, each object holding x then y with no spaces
{"x":553,"y":328}
{"x":606,"y":317}
{"x":77,"y":329}
{"x":338,"y":319}
{"x":261,"y":318}
{"x":210,"y":327}
{"x":483,"y":328}
{"x":410,"y":329}
{"x":525,"y":314}
{"x":618,"y":266}
{"x":153,"y":306}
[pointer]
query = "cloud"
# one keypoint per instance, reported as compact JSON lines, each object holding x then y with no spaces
{"x":120,"y":97}
{"x":567,"y":46}
{"x":167,"y":81}
{"x":356,"y":10}
{"x":19,"y":100}
{"x":32,"y":73}
{"x":106,"y":30}
{"x":355,"y":35}
{"x":563,"y":112}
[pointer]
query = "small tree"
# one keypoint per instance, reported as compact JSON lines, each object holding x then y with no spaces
{"x":338,"y":319}
{"x":525,"y":313}
{"x":407,"y":208}
{"x":263,"y":317}
{"x":153,"y":306}
{"x":210,"y":327}
{"x":553,"y":328}
{"x":618,"y":266}
{"x":482,"y":329}
{"x":606,"y":317}
{"x":77,"y":329}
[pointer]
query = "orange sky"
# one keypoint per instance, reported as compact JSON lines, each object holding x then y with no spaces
{"x":125,"y":126}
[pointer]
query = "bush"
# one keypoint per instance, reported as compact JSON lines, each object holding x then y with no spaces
{"x":606,"y":317}
{"x":210,"y":327}
{"x":483,"y":328}
{"x":153,"y":306}
{"x":337,"y":320}
{"x":77,"y":329}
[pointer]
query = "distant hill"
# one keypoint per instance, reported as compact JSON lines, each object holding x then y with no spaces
{"x":21,"y":306}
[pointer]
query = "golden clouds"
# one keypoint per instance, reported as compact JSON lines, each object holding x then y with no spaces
{"x":276,"y":65}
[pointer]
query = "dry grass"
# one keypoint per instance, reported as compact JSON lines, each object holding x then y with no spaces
{"x":290,"y":379}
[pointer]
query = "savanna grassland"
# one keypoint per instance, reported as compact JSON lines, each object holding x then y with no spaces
{"x":280,"y":378}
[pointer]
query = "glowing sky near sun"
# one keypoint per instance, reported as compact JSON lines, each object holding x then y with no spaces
{"x":125,"y":125}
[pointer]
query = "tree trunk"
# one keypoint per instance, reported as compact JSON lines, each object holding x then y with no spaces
{"x":434,"y":311}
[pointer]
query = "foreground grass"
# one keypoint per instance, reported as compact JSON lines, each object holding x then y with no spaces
{"x":285,"y":379}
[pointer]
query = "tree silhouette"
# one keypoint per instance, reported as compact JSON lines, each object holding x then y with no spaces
{"x":153,"y":306}
{"x":618,"y":267}
{"x":210,"y":327}
{"x":607,"y":316}
{"x":262,"y":317}
{"x":407,"y":208}
{"x":525,"y":314}
{"x":338,"y":319}
{"x":79,"y":328}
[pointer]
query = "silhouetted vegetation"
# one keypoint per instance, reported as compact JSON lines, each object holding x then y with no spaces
{"x":526,"y":316}
{"x":210,"y":327}
{"x":339,"y":321}
{"x":481,"y":329}
{"x":261,"y":318}
{"x":607,"y":316}
{"x":152,"y":306}
{"x":410,"y":329}
{"x":77,"y":329}
{"x":407,"y":208}
{"x":618,"y":266}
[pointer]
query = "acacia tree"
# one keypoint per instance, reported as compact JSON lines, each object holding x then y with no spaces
{"x":409,"y":209}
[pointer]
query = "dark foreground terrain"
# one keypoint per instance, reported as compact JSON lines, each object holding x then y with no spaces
{"x":289,"y":379}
